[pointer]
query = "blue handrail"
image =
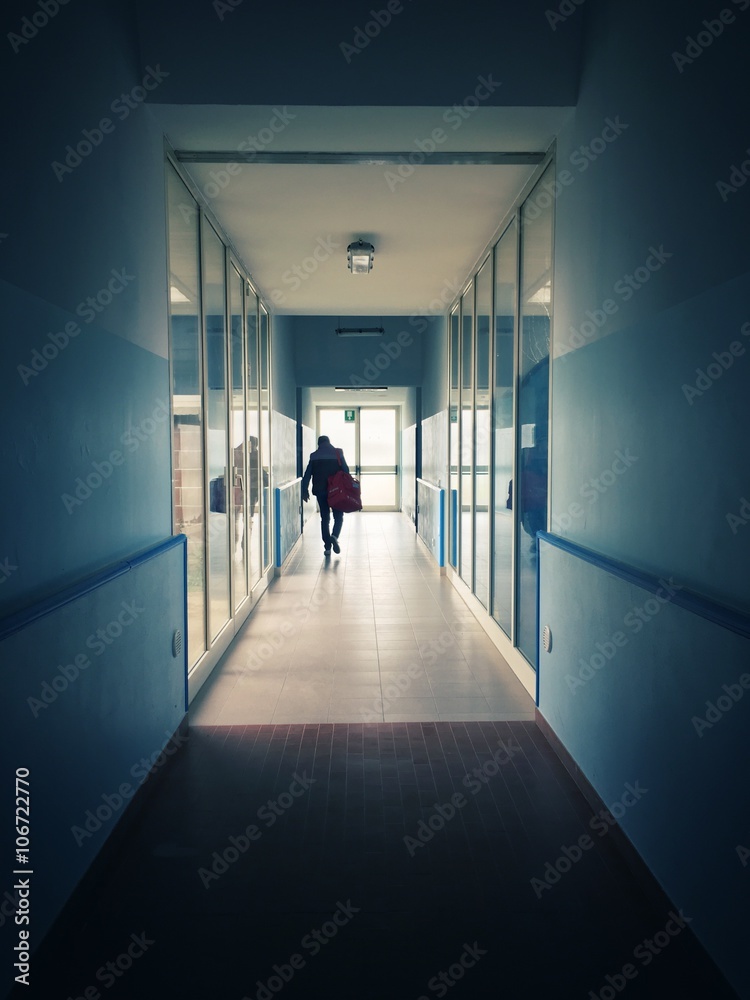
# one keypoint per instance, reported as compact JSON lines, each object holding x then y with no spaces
{"x":277,"y":517}
{"x":441,"y":516}
{"x":21,"y":619}
{"x":712,"y":611}
{"x":454,"y":527}
{"x":441,"y":556}
{"x":277,"y":525}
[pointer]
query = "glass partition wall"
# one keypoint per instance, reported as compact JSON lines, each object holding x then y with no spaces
{"x":503,"y":421}
{"x":499,"y":342}
{"x":453,"y":436}
{"x":482,"y":434}
{"x":466,"y":431}
{"x":220,"y":363}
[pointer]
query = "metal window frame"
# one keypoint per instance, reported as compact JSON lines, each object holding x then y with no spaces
{"x":489,"y":259}
{"x":514,"y":212}
{"x":198,"y":671}
{"x":170,"y":164}
{"x":397,"y":408}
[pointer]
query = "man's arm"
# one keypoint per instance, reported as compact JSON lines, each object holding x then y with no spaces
{"x":306,"y":482}
{"x":344,"y":466}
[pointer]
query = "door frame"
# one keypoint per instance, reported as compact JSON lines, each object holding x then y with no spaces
{"x":357,"y":466}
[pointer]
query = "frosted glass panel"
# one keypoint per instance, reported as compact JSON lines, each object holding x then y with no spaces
{"x":341,"y":432}
{"x":253,"y":533}
{"x":530,"y":498}
{"x":378,"y":490}
{"x":483,"y":437}
{"x":506,"y":255}
{"x":218,"y":469}
{"x":265,"y":438}
{"x":377,"y":437}
{"x":455,"y":361}
{"x":187,"y":396}
{"x":238,"y":437}
{"x":466,"y":543}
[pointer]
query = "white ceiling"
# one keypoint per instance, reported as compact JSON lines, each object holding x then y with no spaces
{"x":428,"y":230}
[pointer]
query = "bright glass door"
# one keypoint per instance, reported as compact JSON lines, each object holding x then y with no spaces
{"x":341,"y":427}
{"x":378,"y":458}
{"x":369,"y":439}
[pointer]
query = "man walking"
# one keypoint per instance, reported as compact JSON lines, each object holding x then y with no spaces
{"x":324,"y":463}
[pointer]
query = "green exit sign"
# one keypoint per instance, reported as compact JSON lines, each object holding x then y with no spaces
{"x":349,"y":416}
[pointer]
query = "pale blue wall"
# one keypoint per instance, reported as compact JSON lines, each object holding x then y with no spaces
{"x":106,"y":390}
{"x":654,"y":186}
{"x":639,"y":473}
{"x":91,"y":690}
{"x":284,"y":384}
{"x":64,"y":240}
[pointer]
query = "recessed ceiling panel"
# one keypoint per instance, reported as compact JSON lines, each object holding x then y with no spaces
{"x":291,"y":223}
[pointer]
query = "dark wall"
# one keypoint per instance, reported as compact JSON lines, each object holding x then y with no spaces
{"x":323,"y":358}
{"x":425,"y":55}
{"x":284,"y":376}
{"x":435,"y":367}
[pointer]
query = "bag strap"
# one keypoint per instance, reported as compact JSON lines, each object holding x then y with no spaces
{"x":338,"y":456}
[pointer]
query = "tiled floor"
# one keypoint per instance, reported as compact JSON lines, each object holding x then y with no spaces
{"x":388,"y":860}
{"x":362,"y":862}
{"x":372,"y":634}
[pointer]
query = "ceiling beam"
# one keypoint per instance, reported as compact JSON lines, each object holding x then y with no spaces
{"x":378,"y":159}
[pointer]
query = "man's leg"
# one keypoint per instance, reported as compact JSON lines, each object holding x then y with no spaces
{"x":338,"y":520}
{"x":325,"y":519}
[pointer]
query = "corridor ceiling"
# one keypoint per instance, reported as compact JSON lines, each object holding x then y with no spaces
{"x":291,"y":223}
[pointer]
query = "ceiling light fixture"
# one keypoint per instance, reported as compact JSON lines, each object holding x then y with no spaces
{"x":360,"y":388}
{"x":359,"y":257}
{"x":360,"y":331}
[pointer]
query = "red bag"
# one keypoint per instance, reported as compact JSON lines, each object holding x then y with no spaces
{"x":343,"y":491}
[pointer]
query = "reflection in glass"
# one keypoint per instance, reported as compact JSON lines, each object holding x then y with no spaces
{"x":238,"y":437}
{"x":187,"y":394}
{"x":253,"y":439}
{"x":530,"y":498}
{"x":265,"y":437}
{"x":506,"y":254}
{"x":467,"y":434}
{"x":455,"y":362}
{"x":216,"y":409}
{"x":483,"y":436}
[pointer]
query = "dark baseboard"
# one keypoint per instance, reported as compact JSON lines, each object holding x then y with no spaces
{"x":642,"y":874}
{"x":78,"y":903}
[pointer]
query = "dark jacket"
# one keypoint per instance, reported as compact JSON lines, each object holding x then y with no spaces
{"x":323,"y":463}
